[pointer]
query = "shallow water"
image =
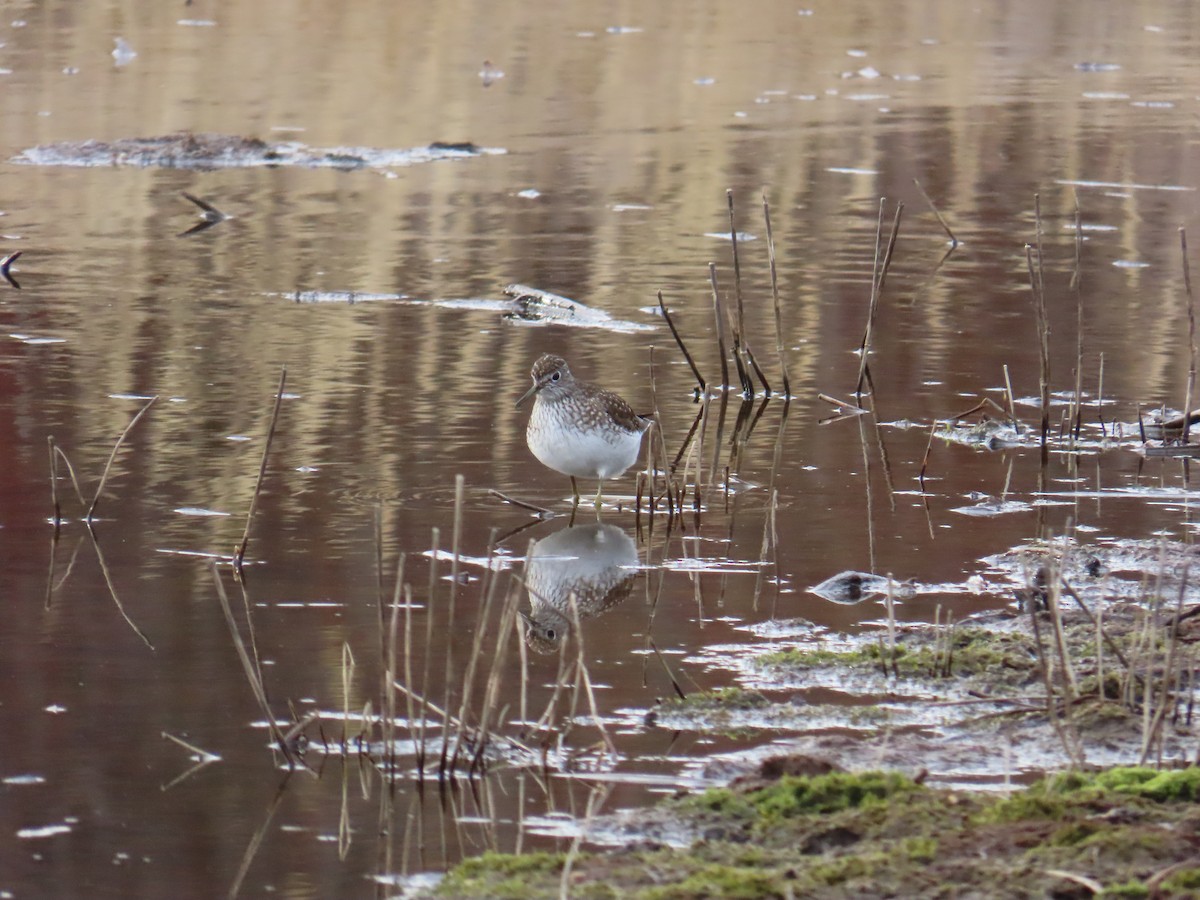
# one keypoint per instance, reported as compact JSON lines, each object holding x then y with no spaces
{"x":623,"y":129}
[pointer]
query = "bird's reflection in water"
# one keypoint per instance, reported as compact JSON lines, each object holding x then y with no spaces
{"x":595,"y":563}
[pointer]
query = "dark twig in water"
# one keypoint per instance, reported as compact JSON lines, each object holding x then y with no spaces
{"x":1190,"y":392}
{"x":877,"y":282}
{"x":678,"y":340}
{"x":4,"y":268}
{"x":112,"y":456}
{"x":938,"y":215}
{"x":239,"y":554}
{"x":540,"y":511}
{"x":787,"y":385}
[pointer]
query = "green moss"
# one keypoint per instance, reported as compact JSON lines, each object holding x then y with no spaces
{"x":801,"y":795}
{"x":920,"y":849}
{"x":499,"y":875}
{"x":1033,"y":804}
{"x":1174,"y":785}
{"x":972,"y":652}
{"x":733,"y":882}
{"x":718,"y":801}
{"x":726,"y":698}
{"x":1130,"y":890}
{"x":1181,"y":881}
{"x":1074,"y":833}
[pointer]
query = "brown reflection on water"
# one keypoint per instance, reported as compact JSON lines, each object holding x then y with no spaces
{"x":389,"y":401}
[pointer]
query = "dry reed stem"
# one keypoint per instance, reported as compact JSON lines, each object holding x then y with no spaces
{"x":937,"y":215}
{"x":252,"y":676}
{"x":435,"y":541}
{"x":112,"y":456}
{"x":1191,"y":314}
{"x":878,"y":278}
{"x":1008,"y":393}
{"x":1076,"y":286}
{"x":1153,"y":736}
{"x":739,"y":325}
{"x":239,"y":554}
{"x":1063,"y":731}
{"x":720,"y":316}
{"x":787,"y":385}
{"x":455,"y":549}
{"x":487,"y":589}
{"x":679,"y":341}
{"x":58,"y":452}
{"x":596,"y":798}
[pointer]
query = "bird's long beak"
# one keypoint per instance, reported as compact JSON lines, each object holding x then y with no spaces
{"x":529,"y":393}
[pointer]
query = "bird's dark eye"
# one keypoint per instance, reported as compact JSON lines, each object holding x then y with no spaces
{"x":554,"y":376}
{"x":550,"y":633}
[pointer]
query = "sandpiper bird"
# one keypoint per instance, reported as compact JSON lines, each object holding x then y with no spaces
{"x":578,"y":428}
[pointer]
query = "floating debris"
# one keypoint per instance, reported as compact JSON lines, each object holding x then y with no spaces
{"x":123,"y":53}
{"x":532,"y":305}
{"x":187,"y":150}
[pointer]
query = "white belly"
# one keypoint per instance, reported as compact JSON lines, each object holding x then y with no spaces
{"x":589,"y":453}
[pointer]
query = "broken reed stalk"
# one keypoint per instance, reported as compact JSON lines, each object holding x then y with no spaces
{"x":739,"y":328}
{"x":737,"y":273}
{"x":878,"y":277}
{"x":348,"y":667}
{"x":787,"y":385}
{"x":240,"y":553}
{"x":938,"y":215}
{"x":1008,"y":392}
{"x":717,"y":311}
{"x":112,"y":456}
{"x":59,"y":454}
{"x":54,"y":482}
{"x":252,"y":676}
{"x":1039,"y":305}
{"x":1191,"y":313}
{"x":678,"y":340}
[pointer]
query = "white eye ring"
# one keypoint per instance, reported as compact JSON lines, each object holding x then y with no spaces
{"x":555,"y":376}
